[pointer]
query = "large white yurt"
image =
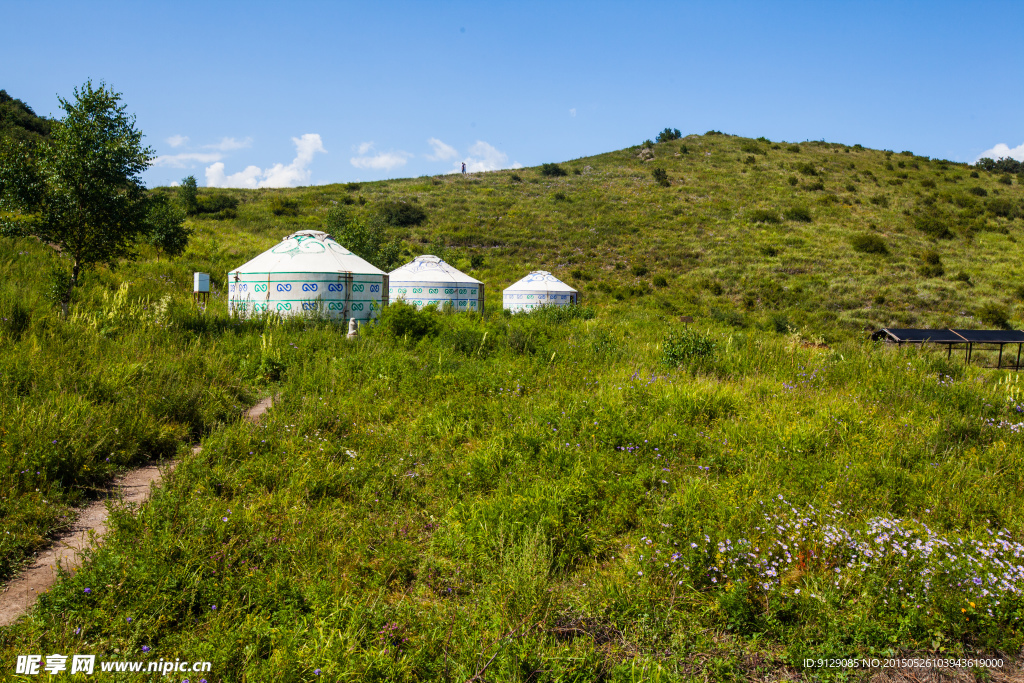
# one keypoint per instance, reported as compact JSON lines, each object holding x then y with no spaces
{"x":539,"y":288}
{"x":308,"y":271}
{"x":429,"y":280}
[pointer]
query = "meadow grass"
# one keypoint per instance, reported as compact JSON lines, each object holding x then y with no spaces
{"x":589,"y":494}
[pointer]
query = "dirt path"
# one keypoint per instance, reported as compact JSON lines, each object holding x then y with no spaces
{"x":90,"y":527}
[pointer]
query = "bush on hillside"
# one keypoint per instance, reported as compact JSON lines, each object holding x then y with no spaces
{"x":793,"y":148}
{"x":660,"y":176}
{"x":660,"y":281}
{"x":401,"y":213}
{"x":869,"y":244}
{"x":978,"y":191}
{"x":764,"y":216}
{"x":552,"y":170}
{"x":792,"y":180}
{"x":682,"y":346}
{"x":402,"y":320}
{"x":1006,"y":179}
{"x":816,"y":186}
{"x":669,"y":134}
{"x":932,"y":266}
{"x":994,"y":314}
{"x":799,"y":213}
{"x":1000,"y":206}
{"x":807,"y":169}
{"x":928,"y":183}
{"x":640,"y":270}
{"x":933,"y":225}
{"x":880,"y":200}
{"x":752,"y":148}
{"x":280,"y":206}
{"x":217,"y":203}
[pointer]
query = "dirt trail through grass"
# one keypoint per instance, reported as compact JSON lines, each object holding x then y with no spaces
{"x":91,"y":526}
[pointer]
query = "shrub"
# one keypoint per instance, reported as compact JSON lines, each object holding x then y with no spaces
{"x":816,"y":186}
{"x":932,"y":225}
{"x":978,"y":191}
{"x":559,"y":196}
{"x":660,"y":176}
{"x":932,"y":266}
{"x":714,"y":132}
{"x":352,"y":187}
{"x":792,"y":180}
{"x":763,"y":216}
{"x":928,"y":183}
{"x":974,"y":174}
{"x":280,"y":206}
{"x":850,"y":187}
{"x":577,"y":171}
{"x":807,"y":169}
{"x":660,"y":281}
{"x":1006,"y":179}
{"x":580,"y":274}
{"x":770,"y":250}
{"x":561,"y":314}
{"x":880,"y":200}
{"x":1000,"y":206}
{"x":793,"y":148}
{"x":752,"y":148}
{"x":669,"y":134}
{"x":516,"y":178}
{"x":401,"y":213}
{"x":552,"y":170}
{"x":640,"y":270}
{"x":683,"y":149}
{"x":681,"y":346}
{"x":217,"y":203}
{"x":476,"y":261}
{"x":962,"y":276}
{"x":869,"y":244}
{"x":993,"y":314}
{"x":750,"y":160}
{"x":400,"y":320}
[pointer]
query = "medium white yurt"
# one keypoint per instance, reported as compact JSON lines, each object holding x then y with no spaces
{"x":539,"y":288}
{"x":308,"y":271}
{"x":429,"y":280}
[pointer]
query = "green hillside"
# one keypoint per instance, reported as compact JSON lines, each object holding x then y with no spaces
{"x":823,"y":238}
{"x":18,"y":122}
{"x":594,"y":493}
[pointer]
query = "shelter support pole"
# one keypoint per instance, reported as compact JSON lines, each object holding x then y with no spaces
{"x":949,"y":352}
{"x":1000,"y":361}
{"x":1018,"y":357}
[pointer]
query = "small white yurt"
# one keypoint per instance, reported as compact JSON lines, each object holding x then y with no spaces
{"x":308,"y":271}
{"x":429,"y":280}
{"x":539,"y":288}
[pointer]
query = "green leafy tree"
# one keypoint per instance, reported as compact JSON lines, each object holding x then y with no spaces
{"x":167,"y":229}
{"x":669,"y":134}
{"x":365,"y":237}
{"x":82,"y":193}
{"x":188,"y":195}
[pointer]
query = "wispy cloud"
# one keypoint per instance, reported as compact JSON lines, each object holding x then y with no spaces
{"x":186,"y":159}
{"x":442,"y":152}
{"x":485,"y":157}
{"x":229,"y":144}
{"x":381,"y":161}
{"x":278,"y":175}
{"x":572,"y":112}
{"x":1003,"y":150}
{"x":177,"y":140}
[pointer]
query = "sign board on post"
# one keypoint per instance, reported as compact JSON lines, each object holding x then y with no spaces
{"x":201,"y":288}
{"x":201,"y":283}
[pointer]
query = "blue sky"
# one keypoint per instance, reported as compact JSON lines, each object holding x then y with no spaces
{"x":300,"y":93}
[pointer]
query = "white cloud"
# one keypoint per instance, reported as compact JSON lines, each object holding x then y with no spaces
{"x":175,"y":183}
{"x":186,"y":159}
{"x":278,"y":175}
{"x":442,"y":152}
{"x":177,"y":140}
{"x":229,"y":144}
{"x":572,"y":112}
{"x":382,"y":161}
{"x":484,"y":157}
{"x":1002,"y":150}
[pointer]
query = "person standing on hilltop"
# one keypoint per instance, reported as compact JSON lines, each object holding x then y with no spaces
{"x":463,"y":166}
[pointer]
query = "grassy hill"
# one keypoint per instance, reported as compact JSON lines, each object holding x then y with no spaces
{"x":825,"y":238}
{"x":592,"y":494}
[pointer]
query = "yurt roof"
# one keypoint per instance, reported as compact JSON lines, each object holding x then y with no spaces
{"x":308,"y":251}
{"x":540,"y":280}
{"x":429,"y":268}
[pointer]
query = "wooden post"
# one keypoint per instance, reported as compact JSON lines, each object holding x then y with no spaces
{"x":1000,"y":361}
